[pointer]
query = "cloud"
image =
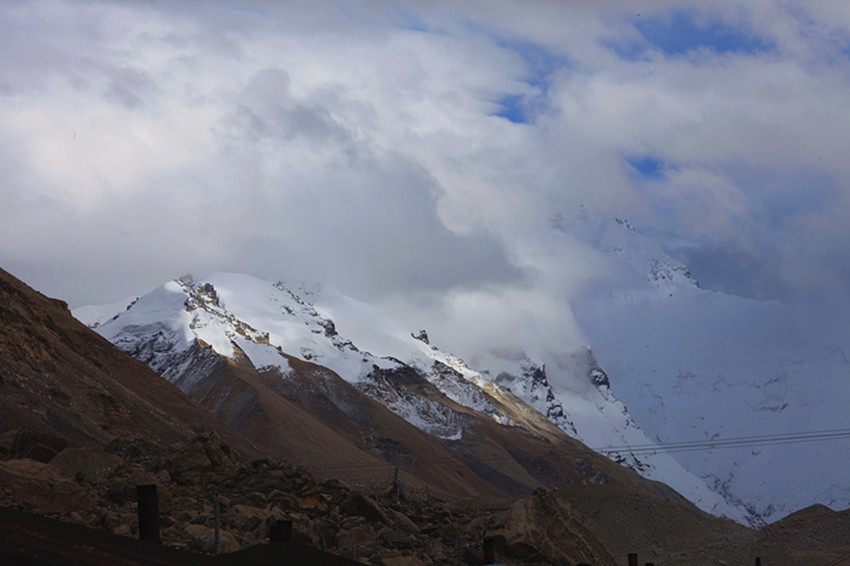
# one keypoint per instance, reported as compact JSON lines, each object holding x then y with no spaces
{"x":418,"y":153}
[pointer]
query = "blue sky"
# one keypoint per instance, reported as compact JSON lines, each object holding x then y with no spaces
{"x":681,"y":32}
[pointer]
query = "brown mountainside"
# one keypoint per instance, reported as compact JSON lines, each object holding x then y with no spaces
{"x":58,"y":378}
{"x":315,"y":418}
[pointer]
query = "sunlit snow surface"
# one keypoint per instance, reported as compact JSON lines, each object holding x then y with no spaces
{"x":238,"y":314}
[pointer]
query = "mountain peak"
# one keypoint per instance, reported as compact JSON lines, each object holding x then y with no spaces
{"x":276,"y":327}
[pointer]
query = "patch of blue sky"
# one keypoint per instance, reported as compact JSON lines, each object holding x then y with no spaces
{"x":540,"y":64}
{"x":647,"y":167}
{"x":685,"y":31}
{"x":514,"y":109}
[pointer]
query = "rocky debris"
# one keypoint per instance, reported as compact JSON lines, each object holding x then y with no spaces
{"x":386,"y":525}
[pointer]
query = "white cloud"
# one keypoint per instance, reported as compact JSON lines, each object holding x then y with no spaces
{"x":358,"y":143}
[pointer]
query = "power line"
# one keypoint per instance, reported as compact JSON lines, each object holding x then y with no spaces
{"x":634,"y":449}
{"x":738,"y":442}
{"x":839,"y":560}
{"x":782,"y":435}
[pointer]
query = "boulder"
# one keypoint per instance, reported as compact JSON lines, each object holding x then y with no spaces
{"x":85,"y":463}
{"x":23,"y":443}
{"x":362,"y":505}
{"x":42,"y":487}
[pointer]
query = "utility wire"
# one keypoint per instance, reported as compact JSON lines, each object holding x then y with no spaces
{"x":839,"y":560}
{"x":739,"y":442}
{"x":635,"y":449}
{"x":782,"y":435}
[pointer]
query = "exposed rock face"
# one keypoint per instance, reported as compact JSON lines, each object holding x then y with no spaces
{"x":533,"y":386}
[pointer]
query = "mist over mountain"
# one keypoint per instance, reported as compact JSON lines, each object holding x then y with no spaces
{"x":654,"y":348}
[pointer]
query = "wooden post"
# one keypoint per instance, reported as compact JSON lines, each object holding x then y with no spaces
{"x":281,"y":532}
{"x":758,"y":560}
{"x":633,"y":559}
{"x":217,"y":526}
{"x":148,"y":513}
{"x":489,"y":550}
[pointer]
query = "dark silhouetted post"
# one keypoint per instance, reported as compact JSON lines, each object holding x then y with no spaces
{"x":281,"y":532}
{"x":217,"y":526}
{"x":758,"y":560}
{"x":489,"y":550}
{"x":633,"y":559}
{"x":148,"y":513}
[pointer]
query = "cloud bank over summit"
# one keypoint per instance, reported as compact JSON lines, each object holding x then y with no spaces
{"x":419,"y":154}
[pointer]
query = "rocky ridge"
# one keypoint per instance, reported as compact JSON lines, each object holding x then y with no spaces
{"x":271,"y":360}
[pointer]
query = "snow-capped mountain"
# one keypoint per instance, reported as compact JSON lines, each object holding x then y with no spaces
{"x":697,"y":365}
{"x":237,"y":315}
{"x":271,"y":325}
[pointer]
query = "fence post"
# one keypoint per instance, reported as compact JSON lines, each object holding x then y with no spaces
{"x":489,"y":550}
{"x":281,"y":532}
{"x":758,"y":560}
{"x":148,"y":503}
{"x":633,"y":559}
{"x":217,"y":526}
